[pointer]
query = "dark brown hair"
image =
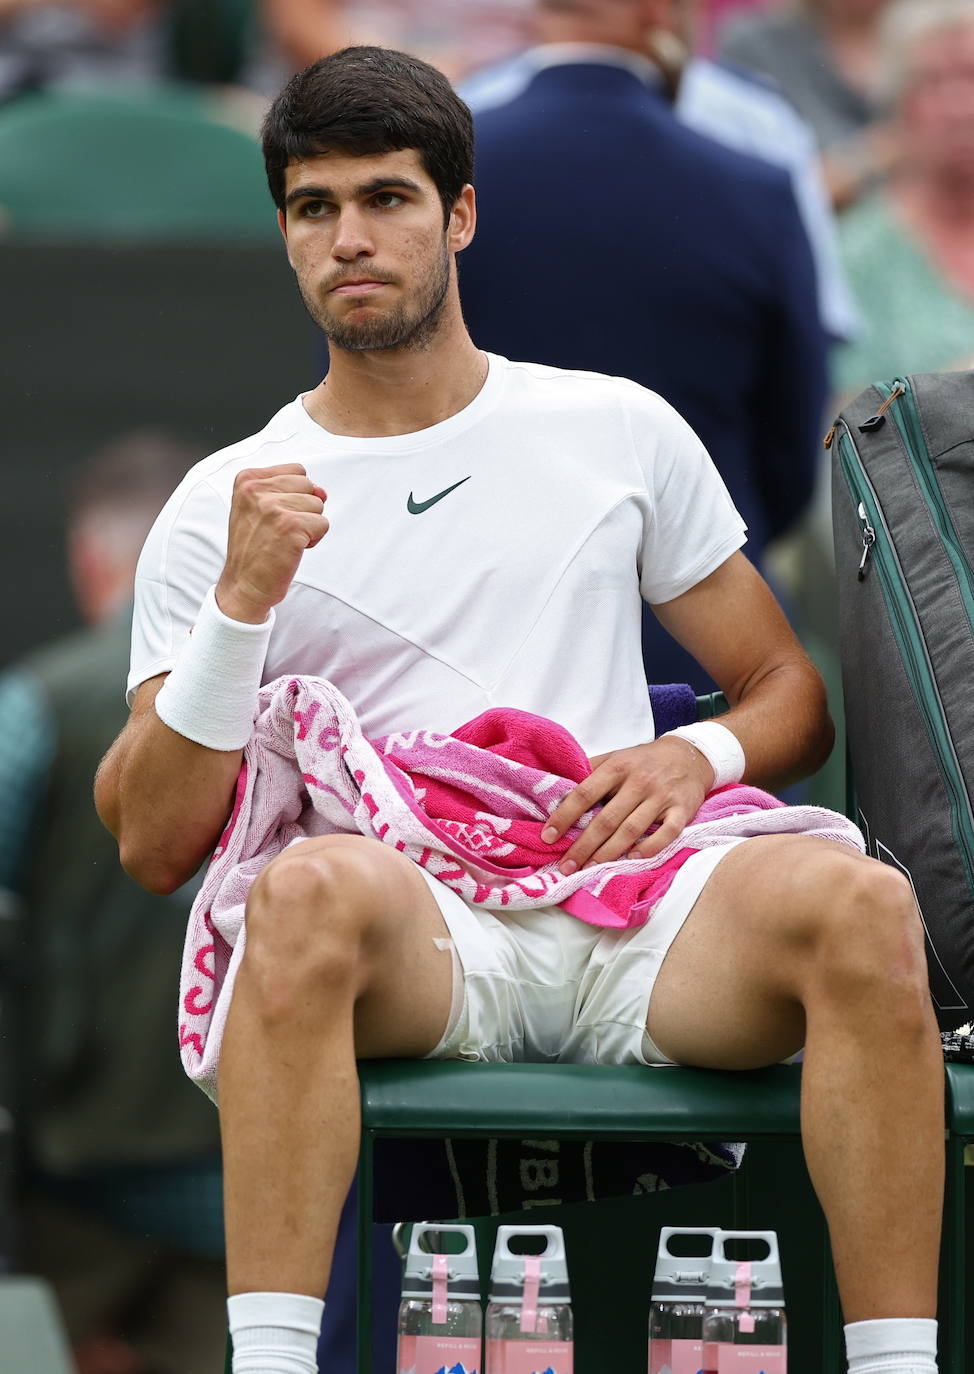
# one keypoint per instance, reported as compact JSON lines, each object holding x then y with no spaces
{"x":371,"y":100}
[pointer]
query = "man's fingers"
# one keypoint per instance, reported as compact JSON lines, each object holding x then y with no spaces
{"x":275,"y":470}
{"x":279,"y":488}
{"x":670,"y":827}
{"x":613,"y":816}
{"x":580,"y":799}
{"x":613,"y":832}
{"x":300,"y":500}
{"x":259,"y":483}
{"x":317,"y":529}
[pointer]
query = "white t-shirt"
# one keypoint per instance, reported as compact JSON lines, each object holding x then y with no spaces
{"x":561,"y":499}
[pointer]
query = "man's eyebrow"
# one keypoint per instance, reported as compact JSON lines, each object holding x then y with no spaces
{"x":368,"y":188}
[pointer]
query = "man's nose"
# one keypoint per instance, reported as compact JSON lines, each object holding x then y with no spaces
{"x":352,"y":239}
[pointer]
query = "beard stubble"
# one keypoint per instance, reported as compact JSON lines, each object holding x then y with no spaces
{"x":412,"y":324}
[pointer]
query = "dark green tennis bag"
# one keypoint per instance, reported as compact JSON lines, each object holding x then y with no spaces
{"x":903,"y":521}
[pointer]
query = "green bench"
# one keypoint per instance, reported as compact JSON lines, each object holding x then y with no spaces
{"x":403,"y":1099}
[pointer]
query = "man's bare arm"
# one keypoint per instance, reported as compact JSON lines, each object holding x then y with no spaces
{"x":164,"y":798}
{"x":735,"y":629}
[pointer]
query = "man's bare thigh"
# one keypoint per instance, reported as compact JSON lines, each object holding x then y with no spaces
{"x":725,"y":996}
{"x":405,"y":1008}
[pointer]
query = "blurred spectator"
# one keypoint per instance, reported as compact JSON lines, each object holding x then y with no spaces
{"x":455,"y":35}
{"x":908,"y":247}
{"x":824,"y":55}
{"x":729,"y":106}
{"x":120,"y":1205}
{"x":80,"y":44}
{"x":613,"y":238}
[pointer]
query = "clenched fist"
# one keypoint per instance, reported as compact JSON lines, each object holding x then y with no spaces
{"x":275,"y":515}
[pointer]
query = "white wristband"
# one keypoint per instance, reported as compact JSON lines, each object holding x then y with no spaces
{"x":719,"y":746}
{"x":211,"y":694}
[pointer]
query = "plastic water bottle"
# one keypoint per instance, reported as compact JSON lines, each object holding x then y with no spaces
{"x":529,"y":1316}
{"x":440,"y":1321}
{"x":677,"y":1305}
{"x":744,"y":1324}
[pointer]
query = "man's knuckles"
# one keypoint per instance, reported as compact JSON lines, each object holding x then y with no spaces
{"x":262,"y":485}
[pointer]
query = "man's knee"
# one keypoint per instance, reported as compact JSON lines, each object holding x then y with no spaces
{"x":867,"y":938}
{"x":310,"y":915}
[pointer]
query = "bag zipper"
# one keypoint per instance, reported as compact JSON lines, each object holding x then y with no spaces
{"x":907,"y":419}
{"x":875,"y":421}
{"x":909,"y":635}
{"x":868,"y":540}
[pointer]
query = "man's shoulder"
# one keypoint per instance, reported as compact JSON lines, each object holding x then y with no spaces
{"x":567,"y":393}
{"x":645,"y":125}
{"x":558,"y":384}
{"x":495,"y":86}
{"x":744,"y":109}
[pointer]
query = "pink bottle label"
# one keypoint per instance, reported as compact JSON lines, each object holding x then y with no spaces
{"x":439,"y":1355}
{"x":675,"y":1357}
{"x":752,"y":1359}
{"x":530,"y":1357}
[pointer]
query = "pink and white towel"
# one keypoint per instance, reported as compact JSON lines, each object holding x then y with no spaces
{"x":468,"y":807}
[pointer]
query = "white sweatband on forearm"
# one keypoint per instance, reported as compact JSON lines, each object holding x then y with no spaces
{"x":211,"y":694}
{"x":719,"y":746}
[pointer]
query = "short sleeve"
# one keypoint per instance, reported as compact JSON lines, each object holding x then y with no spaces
{"x":182,"y":558}
{"x":690,"y":524}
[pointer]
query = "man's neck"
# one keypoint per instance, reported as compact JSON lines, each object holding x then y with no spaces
{"x":606,"y":24}
{"x":375,"y":394}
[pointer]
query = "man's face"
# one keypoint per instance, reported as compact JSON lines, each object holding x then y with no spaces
{"x":937,"y":108}
{"x":366,"y":239}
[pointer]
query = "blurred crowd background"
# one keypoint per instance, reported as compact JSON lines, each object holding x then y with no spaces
{"x":755,"y":207}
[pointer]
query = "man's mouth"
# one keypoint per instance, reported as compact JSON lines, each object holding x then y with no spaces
{"x":357,"y":288}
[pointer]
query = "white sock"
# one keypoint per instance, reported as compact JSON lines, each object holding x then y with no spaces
{"x":275,"y":1333}
{"x":892,"y":1345}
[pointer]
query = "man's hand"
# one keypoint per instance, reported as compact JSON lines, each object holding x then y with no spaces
{"x":660,"y":784}
{"x":276,"y":514}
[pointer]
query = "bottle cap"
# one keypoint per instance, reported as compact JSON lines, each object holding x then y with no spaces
{"x":462,"y":1276}
{"x":747,"y":1283}
{"x":682,"y":1278}
{"x":507,"y":1272}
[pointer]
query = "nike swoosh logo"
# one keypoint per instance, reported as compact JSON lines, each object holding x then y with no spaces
{"x":417,"y":507}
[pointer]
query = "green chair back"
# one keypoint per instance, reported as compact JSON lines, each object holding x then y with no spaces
{"x":144,"y":166}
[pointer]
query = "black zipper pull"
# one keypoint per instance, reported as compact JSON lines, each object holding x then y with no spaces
{"x":868,"y":540}
{"x":879,"y":419}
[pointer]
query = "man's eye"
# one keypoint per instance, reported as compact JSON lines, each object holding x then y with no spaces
{"x":314,"y":209}
{"x":387,"y":200}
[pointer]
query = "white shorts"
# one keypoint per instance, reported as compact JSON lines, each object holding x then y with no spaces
{"x":541,"y":985}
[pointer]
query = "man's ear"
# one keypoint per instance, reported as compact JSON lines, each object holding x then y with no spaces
{"x":463,"y":219}
{"x":282,"y":225}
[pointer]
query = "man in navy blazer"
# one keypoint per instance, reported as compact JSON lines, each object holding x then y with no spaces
{"x":611,"y":237}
